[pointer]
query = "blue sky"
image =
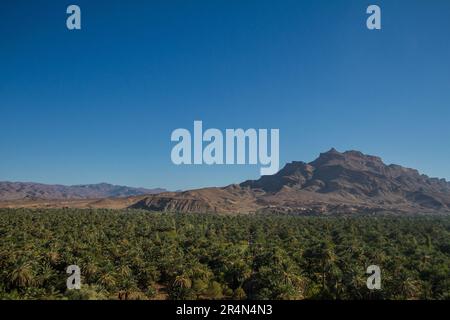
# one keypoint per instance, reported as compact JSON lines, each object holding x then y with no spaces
{"x":99,"y":105}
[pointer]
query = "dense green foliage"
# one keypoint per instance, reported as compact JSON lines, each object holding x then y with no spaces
{"x":142,"y":255}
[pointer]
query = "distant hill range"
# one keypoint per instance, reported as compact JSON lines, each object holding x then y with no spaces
{"x":36,"y":191}
{"x":334,"y":183}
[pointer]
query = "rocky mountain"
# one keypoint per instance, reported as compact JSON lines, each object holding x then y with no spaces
{"x":34,"y":191}
{"x":333,"y":183}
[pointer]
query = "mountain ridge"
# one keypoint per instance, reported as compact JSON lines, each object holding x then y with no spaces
{"x":39,"y":191}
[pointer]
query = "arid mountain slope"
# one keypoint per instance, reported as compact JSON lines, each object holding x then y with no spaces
{"x":209,"y":200}
{"x":333,"y":183}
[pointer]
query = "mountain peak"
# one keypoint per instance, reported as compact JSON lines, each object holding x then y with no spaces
{"x":355,"y":177}
{"x":351,"y":158}
{"x":332,"y":150}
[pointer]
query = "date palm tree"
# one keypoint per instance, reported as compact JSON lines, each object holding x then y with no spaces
{"x":22,"y":276}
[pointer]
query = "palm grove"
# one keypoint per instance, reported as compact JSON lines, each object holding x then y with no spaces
{"x":135,"y":254}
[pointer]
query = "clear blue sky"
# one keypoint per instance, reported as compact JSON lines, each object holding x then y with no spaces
{"x":99,"y":105}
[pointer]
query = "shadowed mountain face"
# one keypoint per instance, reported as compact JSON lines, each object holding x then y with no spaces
{"x":333,"y":183}
{"x":19,"y":190}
